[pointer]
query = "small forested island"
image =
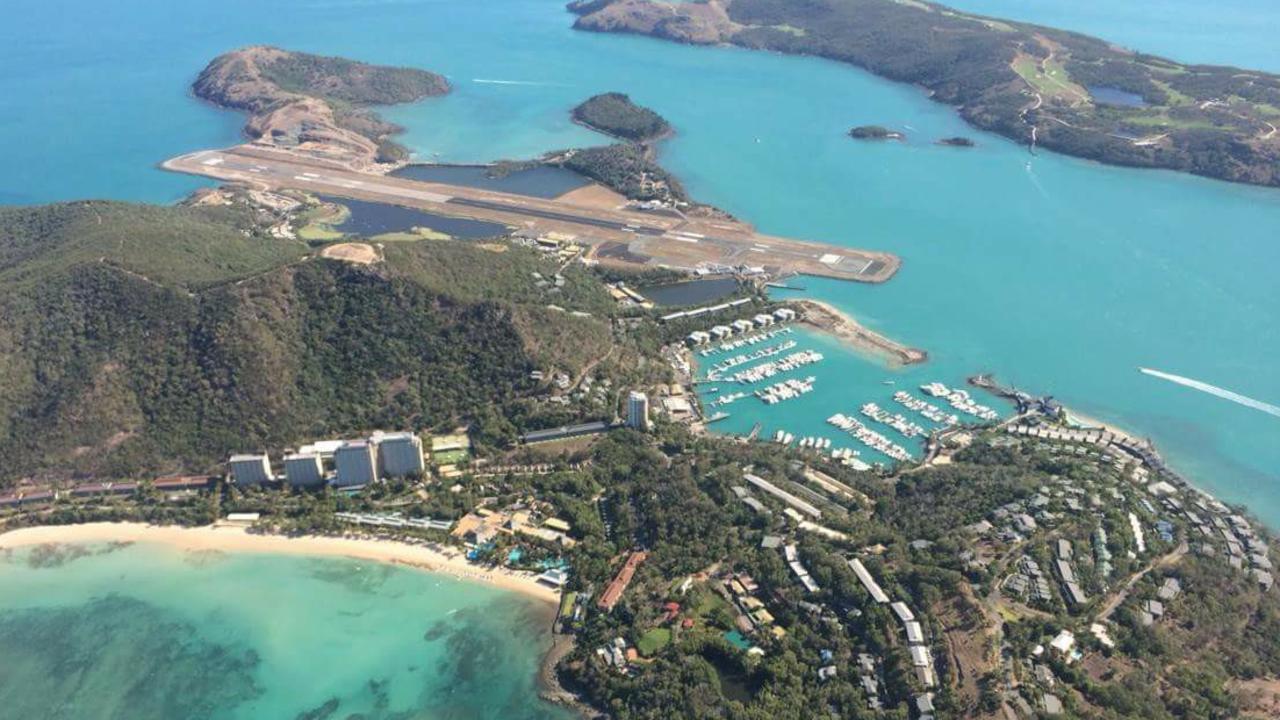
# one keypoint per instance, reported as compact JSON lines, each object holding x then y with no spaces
{"x":630,"y":167}
{"x":614,"y":114}
{"x":875,"y":132}
{"x":1049,"y":88}
{"x":316,"y":104}
{"x":957,"y":141}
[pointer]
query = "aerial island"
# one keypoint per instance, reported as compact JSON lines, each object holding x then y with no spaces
{"x":511,"y":409}
{"x":875,"y":132}
{"x":1049,"y":88}
{"x":315,"y":103}
{"x":615,"y":114}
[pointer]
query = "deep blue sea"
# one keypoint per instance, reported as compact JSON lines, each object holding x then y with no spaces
{"x":1057,"y":274}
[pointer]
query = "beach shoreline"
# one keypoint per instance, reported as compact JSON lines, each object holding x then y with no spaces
{"x":234,"y":538}
{"x":830,"y":319}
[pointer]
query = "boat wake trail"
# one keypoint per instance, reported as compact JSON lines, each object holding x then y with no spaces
{"x":1036,"y":181}
{"x":1215,"y":391}
{"x":530,"y":83}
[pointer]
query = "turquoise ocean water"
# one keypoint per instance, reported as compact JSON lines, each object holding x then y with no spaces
{"x":149,"y":632}
{"x":1059,"y":275}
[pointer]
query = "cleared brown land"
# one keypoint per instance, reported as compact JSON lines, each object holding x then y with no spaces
{"x":358,"y":253}
{"x":593,"y":195}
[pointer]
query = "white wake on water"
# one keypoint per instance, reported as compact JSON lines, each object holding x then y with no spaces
{"x":531,"y":83}
{"x":1215,"y":391}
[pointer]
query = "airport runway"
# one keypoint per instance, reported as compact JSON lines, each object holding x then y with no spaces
{"x":615,"y":234}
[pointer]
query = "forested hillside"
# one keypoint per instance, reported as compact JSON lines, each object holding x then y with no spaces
{"x":140,"y":339}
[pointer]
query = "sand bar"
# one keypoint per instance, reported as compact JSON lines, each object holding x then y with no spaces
{"x":230,"y":538}
{"x":828,"y":318}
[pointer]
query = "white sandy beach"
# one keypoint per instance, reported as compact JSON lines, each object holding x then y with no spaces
{"x":230,"y":538}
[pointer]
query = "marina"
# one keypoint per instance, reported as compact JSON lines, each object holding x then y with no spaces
{"x":767,"y":370}
{"x":960,"y":400}
{"x":742,"y":342}
{"x":869,"y":437}
{"x":897,"y":421}
{"x":745,"y":358}
{"x":929,"y":412}
{"x":786,"y":390}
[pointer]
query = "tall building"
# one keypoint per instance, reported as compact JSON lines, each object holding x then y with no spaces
{"x":250,"y":469}
{"x":303,"y":469}
{"x":638,"y":410}
{"x":400,"y":453}
{"x":355,"y":463}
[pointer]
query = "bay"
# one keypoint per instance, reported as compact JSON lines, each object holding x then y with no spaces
{"x":152,"y":632}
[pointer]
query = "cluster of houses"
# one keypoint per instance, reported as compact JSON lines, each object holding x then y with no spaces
{"x":481,"y":527}
{"x":793,"y":562}
{"x":617,"y":654}
{"x":921,"y":658}
{"x":563,"y":246}
{"x":37,"y":496}
{"x":393,"y":520}
{"x":626,"y":297}
{"x":742,"y":326}
{"x":1029,"y":581}
{"x":1245,"y":549}
{"x":705,"y":310}
{"x":340,"y":463}
{"x":1067,"y":573}
{"x":798,"y":504}
{"x":752,"y":615}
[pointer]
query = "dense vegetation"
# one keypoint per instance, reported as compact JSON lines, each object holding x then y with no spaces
{"x":351,"y":82}
{"x":127,"y":349}
{"x":874,"y":132}
{"x":614,"y":114}
{"x":186,"y":247}
{"x":629,"y":169}
{"x":1005,"y":76}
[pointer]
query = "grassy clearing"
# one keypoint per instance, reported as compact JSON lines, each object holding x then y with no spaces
{"x":411,"y":235}
{"x":449,"y":457}
{"x":653,"y":641}
{"x":319,"y":232}
{"x":1052,"y":82}
{"x":1175,"y":97}
{"x":791,"y":30}
{"x":1164,"y":121}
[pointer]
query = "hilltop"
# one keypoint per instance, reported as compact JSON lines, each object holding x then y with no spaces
{"x":316,"y":104}
{"x":1064,"y":91}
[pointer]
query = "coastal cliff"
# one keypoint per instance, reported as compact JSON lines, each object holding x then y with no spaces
{"x":316,"y":105}
{"x":1035,"y":85}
